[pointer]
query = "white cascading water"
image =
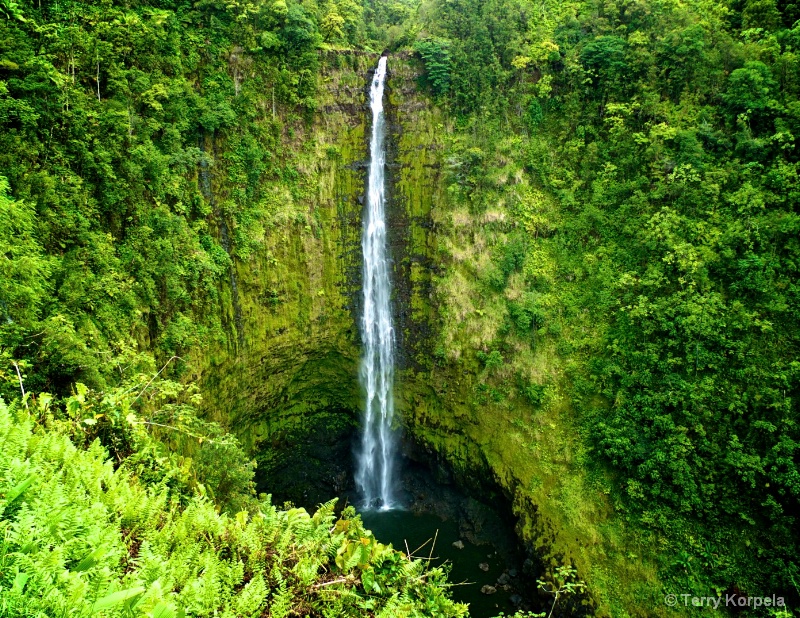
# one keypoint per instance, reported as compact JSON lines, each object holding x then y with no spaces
{"x":375,"y":461}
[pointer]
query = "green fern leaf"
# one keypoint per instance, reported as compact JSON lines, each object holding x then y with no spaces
{"x":114,"y":599}
{"x":91,"y":560}
{"x":17,"y":491}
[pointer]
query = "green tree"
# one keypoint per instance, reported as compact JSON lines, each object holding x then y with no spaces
{"x":24,"y":269}
{"x":436,"y":57}
{"x":332,"y":24}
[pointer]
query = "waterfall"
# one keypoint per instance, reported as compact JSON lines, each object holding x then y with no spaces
{"x":375,"y":460}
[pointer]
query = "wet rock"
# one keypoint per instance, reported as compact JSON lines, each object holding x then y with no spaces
{"x":515,"y":599}
{"x":488,"y":590}
{"x":483,"y":566}
{"x":512,"y":572}
{"x":459,"y":544}
{"x":481,"y":525}
{"x":503,"y":579}
{"x":442,"y":474}
{"x":528,"y":566}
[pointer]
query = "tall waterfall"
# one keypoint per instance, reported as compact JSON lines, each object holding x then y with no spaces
{"x":375,"y":461}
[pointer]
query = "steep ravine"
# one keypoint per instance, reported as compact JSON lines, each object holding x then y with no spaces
{"x":287,"y":384}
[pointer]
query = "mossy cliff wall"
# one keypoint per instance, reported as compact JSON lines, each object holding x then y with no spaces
{"x":286,"y":379}
{"x":472,"y":418}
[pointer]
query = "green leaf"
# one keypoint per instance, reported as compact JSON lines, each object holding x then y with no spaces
{"x":73,"y":407}
{"x":17,"y":491}
{"x":82,"y":390}
{"x":114,"y":599}
{"x":19,"y":582}
{"x":91,"y":560}
{"x":162,"y":610}
{"x":368,"y":579}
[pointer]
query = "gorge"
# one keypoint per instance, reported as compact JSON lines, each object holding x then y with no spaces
{"x":544,"y":255}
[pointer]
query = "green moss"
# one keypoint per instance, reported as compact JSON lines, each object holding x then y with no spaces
{"x":294,"y":378}
{"x":477,"y":419}
{"x":298,"y":359}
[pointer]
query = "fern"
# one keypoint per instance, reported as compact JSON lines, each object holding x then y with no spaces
{"x":281,"y":602}
{"x":80,"y":538}
{"x":252,"y":598}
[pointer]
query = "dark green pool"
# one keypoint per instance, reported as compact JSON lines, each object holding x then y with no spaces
{"x":404,"y":528}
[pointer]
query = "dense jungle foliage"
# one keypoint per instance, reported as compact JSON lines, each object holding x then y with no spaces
{"x":81,"y":538}
{"x":634,"y":170}
{"x":107,"y":111}
{"x":657,"y":243}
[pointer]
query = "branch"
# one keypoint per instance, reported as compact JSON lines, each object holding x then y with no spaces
{"x":341,"y":580}
{"x":21,"y":386}
{"x":191,"y":434}
{"x":146,"y":386}
{"x":435,"y":536}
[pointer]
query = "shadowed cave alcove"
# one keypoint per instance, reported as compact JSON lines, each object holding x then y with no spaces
{"x":308,"y":466}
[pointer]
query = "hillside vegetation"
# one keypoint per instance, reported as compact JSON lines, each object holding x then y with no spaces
{"x":81,"y":538}
{"x":613,"y":316}
{"x":622,"y":248}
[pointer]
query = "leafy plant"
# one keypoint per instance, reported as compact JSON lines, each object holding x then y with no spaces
{"x":564,"y":583}
{"x":435,"y":55}
{"x":78,"y":536}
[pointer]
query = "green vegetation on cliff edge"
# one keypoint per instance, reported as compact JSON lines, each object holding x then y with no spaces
{"x":81,"y":538}
{"x":611,"y":242}
{"x":621,"y":242}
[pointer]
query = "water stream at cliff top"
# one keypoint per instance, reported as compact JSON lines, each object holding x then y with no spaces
{"x":375,"y":461}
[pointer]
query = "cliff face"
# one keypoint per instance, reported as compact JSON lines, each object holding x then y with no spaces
{"x":287,"y":379}
{"x":505,"y":430}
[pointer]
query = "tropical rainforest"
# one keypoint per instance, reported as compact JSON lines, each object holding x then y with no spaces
{"x":595,"y":231}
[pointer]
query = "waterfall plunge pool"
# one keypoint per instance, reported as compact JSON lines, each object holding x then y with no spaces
{"x":308,"y":468}
{"x":475,"y":540}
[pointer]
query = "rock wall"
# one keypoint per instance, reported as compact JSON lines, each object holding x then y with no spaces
{"x":286,"y":379}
